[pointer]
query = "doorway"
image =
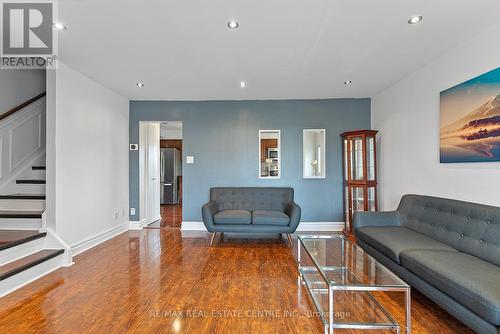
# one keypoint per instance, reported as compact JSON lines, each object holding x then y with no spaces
{"x":170,"y":176}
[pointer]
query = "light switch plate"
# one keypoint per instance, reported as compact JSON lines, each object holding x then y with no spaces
{"x":189,"y":159}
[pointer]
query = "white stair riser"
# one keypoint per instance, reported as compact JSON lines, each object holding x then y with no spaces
{"x":19,"y":251}
{"x":22,"y":204}
{"x":20,"y":224}
{"x":27,"y":276}
{"x":37,"y":175}
{"x":27,"y":189}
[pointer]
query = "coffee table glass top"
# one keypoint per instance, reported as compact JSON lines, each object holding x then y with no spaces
{"x":343,"y":281}
{"x":346,"y":266}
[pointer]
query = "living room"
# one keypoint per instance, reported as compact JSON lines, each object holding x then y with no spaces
{"x":336,"y":168}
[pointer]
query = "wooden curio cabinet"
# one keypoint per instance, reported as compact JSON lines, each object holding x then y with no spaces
{"x":360,"y":173}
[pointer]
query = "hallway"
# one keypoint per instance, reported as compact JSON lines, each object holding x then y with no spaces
{"x":171,"y":217}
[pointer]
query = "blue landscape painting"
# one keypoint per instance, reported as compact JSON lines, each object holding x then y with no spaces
{"x":470,"y":120}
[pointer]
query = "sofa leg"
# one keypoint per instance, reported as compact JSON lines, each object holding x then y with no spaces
{"x":212,"y":238}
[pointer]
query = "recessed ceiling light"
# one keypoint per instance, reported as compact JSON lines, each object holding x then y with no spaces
{"x":347,"y":82}
{"x":243,"y":84}
{"x":415,"y":19}
{"x":139,"y":84}
{"x":59,"y":26}
{"x":233,"y":24}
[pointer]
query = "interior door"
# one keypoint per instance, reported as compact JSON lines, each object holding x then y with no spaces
{"x":153,"y":169}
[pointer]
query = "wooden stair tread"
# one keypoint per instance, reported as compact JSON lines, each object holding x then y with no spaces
{"x":20,"y":214}
{"x":38,"y":167}
{"x":29,"y":181}
{"x":23,"y":196}
{"x":17,"y":266}
{"x":11,"y":238}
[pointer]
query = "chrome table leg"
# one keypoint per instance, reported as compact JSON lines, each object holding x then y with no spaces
{"x":330,"y":310}
{"x":408,"y":310}
{"x":212,"y":238}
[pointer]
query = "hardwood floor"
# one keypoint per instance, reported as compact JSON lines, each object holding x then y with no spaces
{"x":171,"y":217}
{"x":165,"y":281}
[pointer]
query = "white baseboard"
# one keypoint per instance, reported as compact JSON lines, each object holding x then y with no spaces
{"x":95,"y":240}
{"x":303,"y":226}
{"x":137,"y":224}
{"x":193,"y":226}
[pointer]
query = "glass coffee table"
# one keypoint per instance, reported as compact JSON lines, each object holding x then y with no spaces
{"x":342,"y":279}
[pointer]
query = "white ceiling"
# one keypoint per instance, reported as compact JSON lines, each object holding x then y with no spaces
{"x":284,"y":49}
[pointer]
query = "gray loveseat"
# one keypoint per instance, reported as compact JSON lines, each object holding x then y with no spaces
{"x":449,"y":250}
{"x":251,"y":210}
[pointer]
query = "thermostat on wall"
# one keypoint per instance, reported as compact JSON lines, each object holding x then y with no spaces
{"x":134,"y":147}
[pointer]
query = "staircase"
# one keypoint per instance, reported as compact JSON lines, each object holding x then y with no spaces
{"x":23,"y":209}
{"x":28,"y":250}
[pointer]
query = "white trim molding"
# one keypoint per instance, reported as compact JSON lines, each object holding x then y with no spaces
{"x":95,"y":240}
{"x":54,"y":241}
{"x":303,"y":226}
{"x":137,"y":224}
{"x":22,"y":139}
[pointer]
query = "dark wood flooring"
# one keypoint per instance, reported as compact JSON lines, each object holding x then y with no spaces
{"x":167,"y":281}
{"x":171,"y":217}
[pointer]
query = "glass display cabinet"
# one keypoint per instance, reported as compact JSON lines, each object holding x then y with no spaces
{"x":360,"y":173}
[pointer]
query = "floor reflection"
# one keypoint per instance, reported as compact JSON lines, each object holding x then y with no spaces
{"x":167,"y":280}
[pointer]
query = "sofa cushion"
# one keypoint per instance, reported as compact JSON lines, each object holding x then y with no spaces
{"x":392,"y":240}
{"x":236,"y":217}
{"x":263,"y":217}
{"x":468,"y":227}
{"x":469,"y":280}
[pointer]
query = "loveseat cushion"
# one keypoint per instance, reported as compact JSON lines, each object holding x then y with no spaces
{"x":392,"y":240}
{"x":264,"y":217}
{"x":469,"y":280}
{"x":236,"y":217}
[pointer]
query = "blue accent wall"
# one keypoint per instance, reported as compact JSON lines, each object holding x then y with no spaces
{"x":223,"y":138}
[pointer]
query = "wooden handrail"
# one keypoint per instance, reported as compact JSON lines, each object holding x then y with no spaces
{"x":21,"y":106}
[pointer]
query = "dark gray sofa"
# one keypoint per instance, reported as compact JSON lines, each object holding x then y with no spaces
{"x":449,"y":250}
{"x":251,"y":210}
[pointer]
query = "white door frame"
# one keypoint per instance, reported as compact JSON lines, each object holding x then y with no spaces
{"x":149,"y":171}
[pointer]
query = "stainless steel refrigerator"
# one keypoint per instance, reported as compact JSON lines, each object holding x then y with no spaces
{"x":170,"y":170}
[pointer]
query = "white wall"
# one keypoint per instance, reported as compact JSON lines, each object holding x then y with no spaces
{"x":407,"y":116}
{"x":18,"y":86}
{"x":90,"y":162}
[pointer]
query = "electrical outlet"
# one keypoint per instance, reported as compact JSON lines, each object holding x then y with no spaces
{"x":132,"y":211}
{"x":189,"y":159}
